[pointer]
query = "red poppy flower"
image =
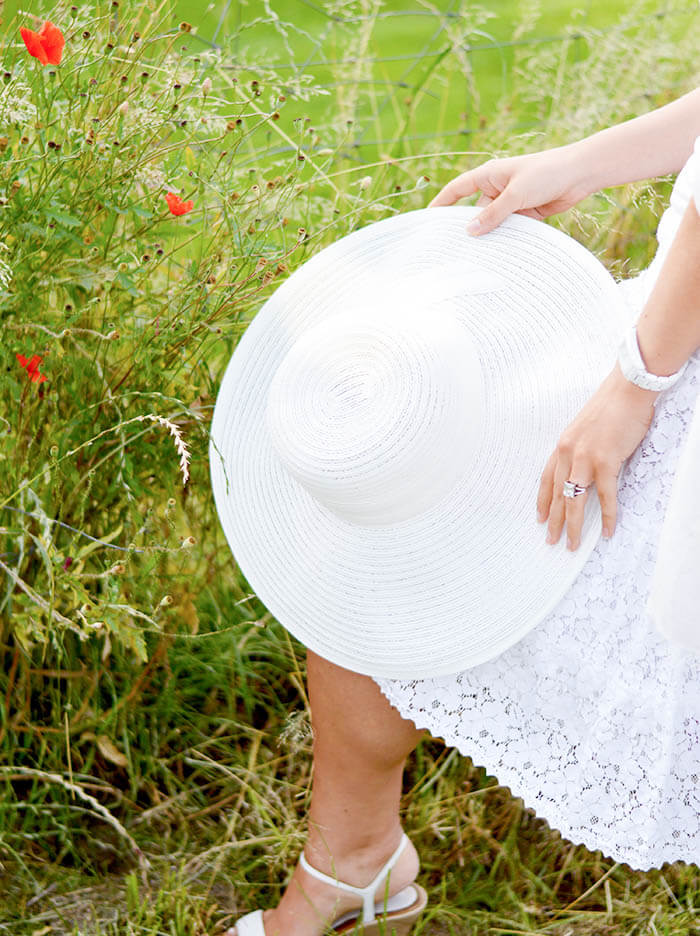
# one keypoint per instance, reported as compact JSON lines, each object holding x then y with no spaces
{"x":176,"y":205}
{"x":46,"y":45}
{"x":32,"y":367}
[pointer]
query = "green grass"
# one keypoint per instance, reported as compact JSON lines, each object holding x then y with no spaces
{"x":154,"y":732}
{"x":455,"y":55}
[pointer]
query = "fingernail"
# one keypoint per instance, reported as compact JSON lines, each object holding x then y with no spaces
{"x":550,"y":538}
{"x":474,"y":226}
{"x":569,"y":543}
{"x":540,"y":517}
{"x":606,"y":532}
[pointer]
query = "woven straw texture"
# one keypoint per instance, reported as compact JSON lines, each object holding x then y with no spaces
{"x":381,"y":430}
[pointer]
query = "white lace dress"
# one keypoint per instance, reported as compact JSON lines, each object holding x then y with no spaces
{"x":594,"y":717}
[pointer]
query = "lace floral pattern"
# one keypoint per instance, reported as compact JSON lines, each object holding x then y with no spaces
{"x":594,"y":717}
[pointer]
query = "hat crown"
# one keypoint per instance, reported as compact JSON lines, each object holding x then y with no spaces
{"x":377,"y":410}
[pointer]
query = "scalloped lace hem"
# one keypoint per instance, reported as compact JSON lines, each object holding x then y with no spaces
{"x":638,"y":859}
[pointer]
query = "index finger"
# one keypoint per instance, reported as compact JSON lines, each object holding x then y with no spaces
{"x":460,"y":187}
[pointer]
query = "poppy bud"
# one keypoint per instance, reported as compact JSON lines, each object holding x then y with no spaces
{"x":124,"y":108}
{"x":206,"y":86}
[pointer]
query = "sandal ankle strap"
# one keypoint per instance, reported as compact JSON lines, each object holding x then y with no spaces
{"x":366,"y":893}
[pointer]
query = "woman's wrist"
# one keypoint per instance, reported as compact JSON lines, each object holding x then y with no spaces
{"x":632,"y":390}
{"x":606,"y":159}
{"x":579,"y":156}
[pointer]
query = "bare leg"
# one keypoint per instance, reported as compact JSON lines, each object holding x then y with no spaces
{"x":360,"y":745}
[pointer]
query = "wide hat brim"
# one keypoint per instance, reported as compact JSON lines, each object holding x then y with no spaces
{"x":459,"y":583}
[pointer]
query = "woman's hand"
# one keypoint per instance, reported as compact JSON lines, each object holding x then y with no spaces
{"x":592,"y":448}
{"x":536,"y":185}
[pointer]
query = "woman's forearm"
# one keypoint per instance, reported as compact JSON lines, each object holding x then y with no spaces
{"x":668,"y":330}
{"x":654,"y":144}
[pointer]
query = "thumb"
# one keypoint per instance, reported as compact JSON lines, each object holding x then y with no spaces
{"x":495,"y":212}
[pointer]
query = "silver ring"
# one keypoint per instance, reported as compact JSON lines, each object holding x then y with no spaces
{"x":571,"y":489}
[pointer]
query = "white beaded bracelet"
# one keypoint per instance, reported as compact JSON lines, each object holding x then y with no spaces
{"x":633,"y":367}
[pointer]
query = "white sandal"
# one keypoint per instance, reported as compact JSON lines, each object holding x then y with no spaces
{"x":397,"y":913}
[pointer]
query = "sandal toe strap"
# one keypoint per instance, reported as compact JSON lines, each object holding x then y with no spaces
{"x":250,"y":925}
{"x":401,"y":901}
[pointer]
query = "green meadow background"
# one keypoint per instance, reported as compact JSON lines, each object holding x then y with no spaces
{"x":155,"y":746}
{"x":402,"y":52}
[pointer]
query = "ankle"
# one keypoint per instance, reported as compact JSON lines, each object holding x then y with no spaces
{"x":355,"y":861}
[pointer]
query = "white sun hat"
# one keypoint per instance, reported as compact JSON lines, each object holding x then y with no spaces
{"x":381,"y":429}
